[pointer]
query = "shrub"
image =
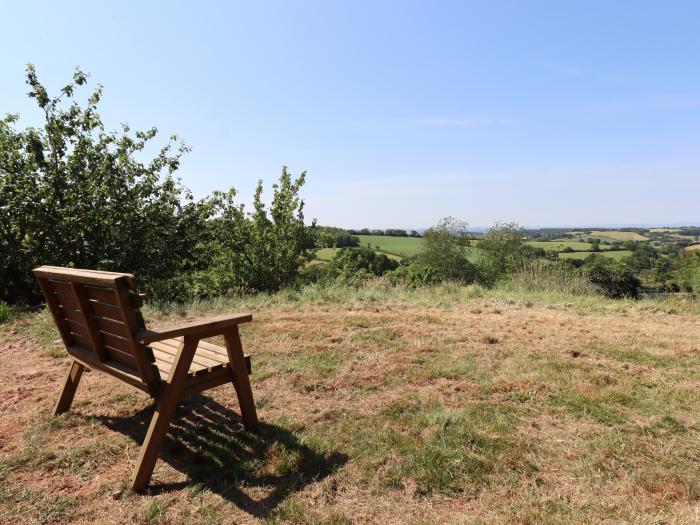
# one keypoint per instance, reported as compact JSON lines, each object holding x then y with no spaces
{"x":360,"y":263}
{"x":687,"y":271}
{"x":414,"y":275}
{"x":614,"y":279}
{"x":503,"y":252}
{"x":444,"y":251}
{"x":547,"y":276}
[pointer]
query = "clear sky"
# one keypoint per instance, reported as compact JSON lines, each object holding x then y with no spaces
{"x":545,"y":113}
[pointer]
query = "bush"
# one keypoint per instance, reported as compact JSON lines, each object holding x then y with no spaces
{"x":687,"y":271}
{"x":414,"y":275}
{"x":547,"y":276}
{"x":360,"y":263}
{"x":444,"y":251}
{"x":503,"y":253}
{"x":613,"y":279}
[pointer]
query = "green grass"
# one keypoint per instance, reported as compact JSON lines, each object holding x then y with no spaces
{"x":617,"y":255}
{"x":400,"y":246}
{"x":5,"y":312}
{"x":326,"y":254}
{"x":618,"y":235}
{"x":401,"y":404}
{"x":558,"y":246}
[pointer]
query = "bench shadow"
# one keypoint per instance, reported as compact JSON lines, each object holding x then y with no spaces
{"x":207,"y":442}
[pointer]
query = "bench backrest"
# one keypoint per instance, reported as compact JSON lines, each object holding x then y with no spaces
{"x":97,"y":314}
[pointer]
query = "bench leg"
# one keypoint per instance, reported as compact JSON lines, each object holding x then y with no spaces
{"x":66,"y":398}
{"x":241,"y":382}
{"x":165,"y":409}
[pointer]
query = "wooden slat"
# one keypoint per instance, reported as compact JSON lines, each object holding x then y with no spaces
{"x":202,"y":357}
{"x":196,"y":384}
{"x":67,"y":301}
{"x":93,"y":335}
{"x":112,"y":327}
{"x":111,"y":367}
{"x":119,"y":343}
{"x":104,"y":295}
{"x":122,"y":357}
{"x":96,"y":277}
{"x":70,"y":313}
{"x":164,"y":359}
{"x":53,"y":305}
{"x":80,"y":330}
{"x":149,"y":373}
{"x":109,"y":311}
{"x":61,"y":287}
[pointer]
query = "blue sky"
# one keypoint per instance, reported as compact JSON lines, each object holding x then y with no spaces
{"x":545,"y":113}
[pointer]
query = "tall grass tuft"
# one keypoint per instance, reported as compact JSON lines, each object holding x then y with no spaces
{"x":5,"y":312}
{"x":546,"y":276}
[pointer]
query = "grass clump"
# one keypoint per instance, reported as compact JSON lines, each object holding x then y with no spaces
{"x":434,"y":449}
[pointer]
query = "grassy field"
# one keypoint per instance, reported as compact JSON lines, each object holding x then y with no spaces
{"x":693,"y":247}
{"x":619,"y":235}
{"x":558,"y":246}
{"x":381,"y":405}
{"x":326,"y":254}
{"x":401,"y":246}
{"x":617,"y":255}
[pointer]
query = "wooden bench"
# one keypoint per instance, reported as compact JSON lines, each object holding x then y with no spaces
{"x":97,"y":314}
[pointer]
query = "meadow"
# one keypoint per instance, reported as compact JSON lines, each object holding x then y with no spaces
{"x":618,"y":235}
{"x":557,"y":246}
{"x":617,"y":255}
{"x":400,"y":246}
{"x":445,"y":404}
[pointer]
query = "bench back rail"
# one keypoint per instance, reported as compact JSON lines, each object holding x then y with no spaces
{"x":97,"y":314}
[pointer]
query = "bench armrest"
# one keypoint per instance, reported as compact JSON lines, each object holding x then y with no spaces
{"x":205,"y":328}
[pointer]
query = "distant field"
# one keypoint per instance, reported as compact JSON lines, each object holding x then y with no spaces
{"x":557,"y":246}
{"x":619,"y":235}
{"x":683,"y":237}
{"x":694,"y":247}
{"x":582,"y":255}
{"x":326,"y":254}
{"x":664,"y":230}
{"x":400,"y":246}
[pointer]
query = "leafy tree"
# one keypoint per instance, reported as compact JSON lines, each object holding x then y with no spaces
{"x":345,"y":240}
{"x":258,"y":251}
{"x":326,"y":240}
{"x":687,"y":271}
{"x":503,"y":252}
{"x":643,"y":257}
{"x":445,"y":249}
{"x":613,"y":278}
{"x":73,"y":194}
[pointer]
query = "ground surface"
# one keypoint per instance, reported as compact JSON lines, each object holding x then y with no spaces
{"x":451,"y":405}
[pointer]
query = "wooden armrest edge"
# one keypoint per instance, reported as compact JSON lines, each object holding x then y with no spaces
{"x":204,"y":328}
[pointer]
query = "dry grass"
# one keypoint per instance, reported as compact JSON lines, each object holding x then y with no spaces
{"x":448,"y":405}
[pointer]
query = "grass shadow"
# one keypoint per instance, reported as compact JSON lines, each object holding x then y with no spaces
{"x":208,"y":443}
